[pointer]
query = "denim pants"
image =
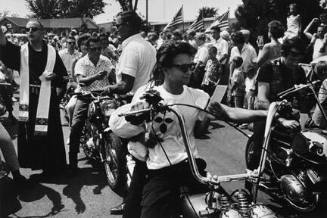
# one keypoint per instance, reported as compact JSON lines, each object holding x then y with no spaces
{"x":78,"y":122}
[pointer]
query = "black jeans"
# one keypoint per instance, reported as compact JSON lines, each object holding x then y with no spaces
{"x":134,"y":196}
{"x":161,"y":192}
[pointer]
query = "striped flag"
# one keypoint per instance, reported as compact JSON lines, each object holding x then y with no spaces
{"x":178,"y":19}
{"x":221,"y":21}
{"x":197,"y":25}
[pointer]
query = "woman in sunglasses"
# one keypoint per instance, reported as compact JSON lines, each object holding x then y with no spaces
{"x":163,"y":148}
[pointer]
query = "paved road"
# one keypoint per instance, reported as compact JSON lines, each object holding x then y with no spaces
{"x":87,"y":194}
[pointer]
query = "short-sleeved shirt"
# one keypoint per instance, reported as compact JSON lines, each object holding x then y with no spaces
{"x":280,"y":77}
{"x":248,"y":54}
{"x":68,"y":59}
{"x":202,"y":54}
{"x":84,"y":67}
{"x":212,"y":73}
{"x":222,"y":48}
{"x":238,"y":82}
{"x":137,"y":60}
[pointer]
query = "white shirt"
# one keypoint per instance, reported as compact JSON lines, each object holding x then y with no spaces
{"x":68,"y":59}
{"x":248,"y":54}
{"x":202,"y":54}
{"x":316,"y":49}
{"x":172,"y":140}
{"x":222,"y":48}
{"x":137,"y":60}
{"x":84,"y":67}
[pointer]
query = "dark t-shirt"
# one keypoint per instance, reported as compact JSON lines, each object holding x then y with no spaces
{"x":10,"y":56}
{"x":280,"y":77}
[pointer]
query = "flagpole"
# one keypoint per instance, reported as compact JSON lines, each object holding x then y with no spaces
{"x":183,"y":18}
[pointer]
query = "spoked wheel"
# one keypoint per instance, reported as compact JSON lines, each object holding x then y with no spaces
{"x":88,"y":140}
{"x":114,"y":157}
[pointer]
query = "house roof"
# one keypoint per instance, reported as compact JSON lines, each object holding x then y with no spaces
{"x":56,"y":23}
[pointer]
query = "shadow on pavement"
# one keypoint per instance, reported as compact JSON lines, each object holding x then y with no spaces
{"x":84,"y":177}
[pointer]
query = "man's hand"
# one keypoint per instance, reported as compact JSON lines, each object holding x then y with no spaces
{"x":50,"y":76}
{"x":289,"y":124}
{"x":217,"y":110}
{"x":138,"y":119}
{"x":101,"y":75}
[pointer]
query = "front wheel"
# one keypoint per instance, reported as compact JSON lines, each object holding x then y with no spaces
{"x":114,"y":160}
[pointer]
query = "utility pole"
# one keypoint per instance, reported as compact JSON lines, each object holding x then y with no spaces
{"x":147,"y":11}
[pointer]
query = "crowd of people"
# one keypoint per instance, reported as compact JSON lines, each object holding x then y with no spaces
{"x":182,"y":67}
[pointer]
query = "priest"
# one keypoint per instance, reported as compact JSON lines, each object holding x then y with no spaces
{"x":42,"y":73}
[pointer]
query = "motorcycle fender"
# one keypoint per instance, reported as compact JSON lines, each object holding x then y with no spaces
{"x":194,"y":206}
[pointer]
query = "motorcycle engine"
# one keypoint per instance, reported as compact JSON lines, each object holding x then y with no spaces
{"x":296,"y":189}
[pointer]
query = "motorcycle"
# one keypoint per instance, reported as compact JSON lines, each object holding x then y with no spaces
{"x":216,"y":202}
{"x":293,"y":168}
{"x":100,"y":144}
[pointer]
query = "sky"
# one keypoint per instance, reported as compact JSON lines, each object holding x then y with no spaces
{"x":159,"y":10}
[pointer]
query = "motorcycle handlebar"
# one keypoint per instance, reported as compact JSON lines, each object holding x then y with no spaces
{"x":93,"y":95}
{"x":204,"y":180}
{"x":294,"y":89}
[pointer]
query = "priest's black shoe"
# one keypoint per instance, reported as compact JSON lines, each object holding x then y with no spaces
{"x":118,"y":210}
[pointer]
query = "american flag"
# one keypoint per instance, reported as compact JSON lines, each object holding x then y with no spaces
{"x":221,"y":21}
{"x":197,"y":25}
{"x":178,"y":19}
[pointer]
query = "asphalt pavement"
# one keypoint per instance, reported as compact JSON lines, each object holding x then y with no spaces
{"x":88,"y":195}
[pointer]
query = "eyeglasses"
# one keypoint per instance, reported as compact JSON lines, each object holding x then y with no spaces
{"x":71,"y":43}
{"x":95,"y":49}
{"x":32,"y":29}
{"x":185,"y":67}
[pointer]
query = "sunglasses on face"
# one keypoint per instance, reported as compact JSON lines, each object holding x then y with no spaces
{"x":72,"y":43}
{"x":32,"y":29}
{"x":185,"y":67}
{"x":95,"y":49}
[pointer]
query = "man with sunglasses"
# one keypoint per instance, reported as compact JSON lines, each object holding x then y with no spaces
{"x":91,"y":72}
{"x":39,"y":64}
{"x":69,"y":54}
{"x":138,"y":56}
{"x":134,"y":68}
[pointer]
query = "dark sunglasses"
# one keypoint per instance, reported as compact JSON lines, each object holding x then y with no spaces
{"x":185,"y":67}
{"x":71,"y":43}
{"x":95,"y":49}
{"x":32,"y":29}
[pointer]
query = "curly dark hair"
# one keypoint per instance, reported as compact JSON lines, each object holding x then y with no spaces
{"x":276,"y":29}
{"x":165,"y":57}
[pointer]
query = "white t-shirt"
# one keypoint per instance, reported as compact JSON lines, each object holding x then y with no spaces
{"x":137,"y":60}
{"x":202,"y":54}
{"x":316,"y":49}
{"x":166,"y":126}
{"x":68,"y":59}
{"x":222,"y":48}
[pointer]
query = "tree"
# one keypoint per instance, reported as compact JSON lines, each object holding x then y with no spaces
{"x":256,"y":14}
{"x":65,"y":8}
{"x":206,"y":12}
